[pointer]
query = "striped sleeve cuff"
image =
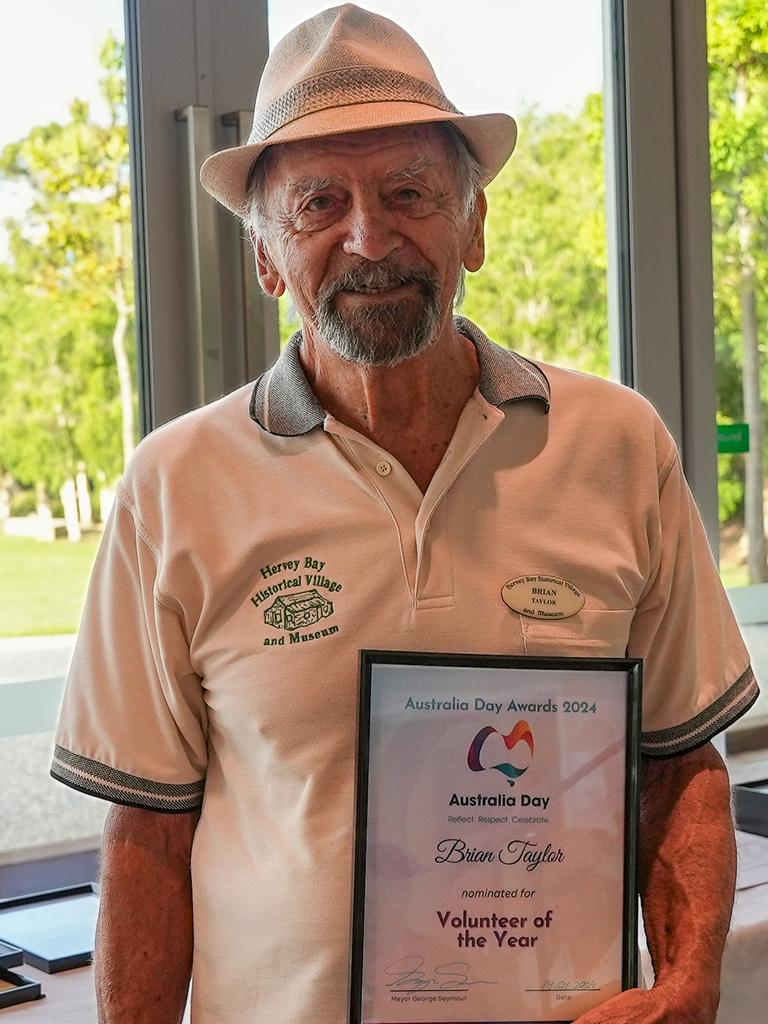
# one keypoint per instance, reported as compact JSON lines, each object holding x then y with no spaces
{"x":697,"y":731}
{"x":98,"y":779}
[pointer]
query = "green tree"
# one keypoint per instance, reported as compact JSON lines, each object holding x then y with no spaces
{"x":738,"y":85}
{"x":65,"y":315}
{"x":543,"y":289}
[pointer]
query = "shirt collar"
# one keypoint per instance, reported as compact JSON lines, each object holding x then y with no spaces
{"x":283,"y":402}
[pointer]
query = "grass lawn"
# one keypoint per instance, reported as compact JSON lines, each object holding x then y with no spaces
{"x":42,"y":585}
{"x":734,"y":575}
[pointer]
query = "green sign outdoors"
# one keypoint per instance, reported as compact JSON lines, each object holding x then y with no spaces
{"x":733,"y":437}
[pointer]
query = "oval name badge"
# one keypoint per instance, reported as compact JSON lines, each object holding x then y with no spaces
{"x":543,"y":597}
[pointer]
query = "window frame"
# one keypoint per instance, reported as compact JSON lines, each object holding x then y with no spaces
{"x":183,"y":53}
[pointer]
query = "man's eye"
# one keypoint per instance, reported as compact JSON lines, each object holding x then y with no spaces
{"x":319,"y":204}
{"x":408,"y":194}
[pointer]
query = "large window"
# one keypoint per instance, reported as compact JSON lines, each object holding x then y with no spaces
{"x":69,"y":415}
{"x":738,"y":97}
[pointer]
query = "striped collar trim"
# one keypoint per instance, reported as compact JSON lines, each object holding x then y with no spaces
{"x":283,"y":403}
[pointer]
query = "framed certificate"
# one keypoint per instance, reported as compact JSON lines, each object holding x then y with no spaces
{"x":495,"y":869}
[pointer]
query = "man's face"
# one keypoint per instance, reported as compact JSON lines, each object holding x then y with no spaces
{"x":368,"y":233}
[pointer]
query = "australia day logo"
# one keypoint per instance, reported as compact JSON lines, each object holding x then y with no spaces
{"x":521,"y":733}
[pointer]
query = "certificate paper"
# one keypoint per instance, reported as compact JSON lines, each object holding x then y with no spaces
{"x":495,"y":861}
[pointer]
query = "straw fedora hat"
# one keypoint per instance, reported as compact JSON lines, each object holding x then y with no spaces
{"x":348,"y":70}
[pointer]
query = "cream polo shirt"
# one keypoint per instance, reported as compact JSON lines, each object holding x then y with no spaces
{"x":257,"y":544}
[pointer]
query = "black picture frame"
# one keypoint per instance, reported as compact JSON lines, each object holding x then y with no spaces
{"x":10,"y":956}
{"x":24,"y":990}
{"x":750,"y":804}
{"x":33,"y":954}
{"x":632,"y":667}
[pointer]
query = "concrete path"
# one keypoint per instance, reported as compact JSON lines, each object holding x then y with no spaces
{"x":34,"y":657}
{"x":35,"y":810}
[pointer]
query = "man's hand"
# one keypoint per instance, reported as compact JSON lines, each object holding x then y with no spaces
{"x":643,"y":1006}
{"x":687,"y":881}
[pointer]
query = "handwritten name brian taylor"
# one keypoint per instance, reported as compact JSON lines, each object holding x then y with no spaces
{"x":517,"y":851}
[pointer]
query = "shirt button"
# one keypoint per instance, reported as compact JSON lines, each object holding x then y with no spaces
{"x":383,"y":468}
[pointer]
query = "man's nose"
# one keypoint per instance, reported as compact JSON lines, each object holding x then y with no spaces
{"x":371,"y":231}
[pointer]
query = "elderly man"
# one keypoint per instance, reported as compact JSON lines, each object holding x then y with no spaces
{"x":376,"y":488}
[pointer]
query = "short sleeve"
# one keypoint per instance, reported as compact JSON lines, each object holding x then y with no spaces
{"x":132,"y":727}
{"x":697,"y":678}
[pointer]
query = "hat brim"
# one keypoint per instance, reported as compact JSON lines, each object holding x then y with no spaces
{"x":491,"y":138}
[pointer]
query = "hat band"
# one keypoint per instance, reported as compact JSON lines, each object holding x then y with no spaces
{"x":342,"y":88}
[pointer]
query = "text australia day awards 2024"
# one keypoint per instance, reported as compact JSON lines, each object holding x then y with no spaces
{"x":496,"y":818}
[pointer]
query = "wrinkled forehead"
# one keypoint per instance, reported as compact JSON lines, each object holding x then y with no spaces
{"x":400,"y":145}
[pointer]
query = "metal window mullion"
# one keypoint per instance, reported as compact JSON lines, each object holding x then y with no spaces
{"x":204,"y":257}
{"x":260,"y":322}
{"x":698,"y":376}
{"x":182,"y":54}
{"x":138,"y":217}
{"x":620,"y":300}
{"x":650,"y":96}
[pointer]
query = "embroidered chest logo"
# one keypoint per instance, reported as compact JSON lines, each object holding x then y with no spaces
{"x":294,"y":599}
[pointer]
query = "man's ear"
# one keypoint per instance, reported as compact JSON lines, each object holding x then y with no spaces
{"x":474,"y":253}
{"x":270,"y":279}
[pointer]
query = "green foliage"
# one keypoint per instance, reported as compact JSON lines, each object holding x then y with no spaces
{"x":738,"y":95}
{"x":24,"y":503}
{"x":57,"y":377}
{"x":288,"y":319}
{"x":62,"y":291}
{"x":543,"y":289}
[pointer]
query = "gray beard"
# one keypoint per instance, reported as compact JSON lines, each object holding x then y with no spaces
{"x":382,"y":333}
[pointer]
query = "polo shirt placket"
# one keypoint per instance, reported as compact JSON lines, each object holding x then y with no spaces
{"x":419,"y":519}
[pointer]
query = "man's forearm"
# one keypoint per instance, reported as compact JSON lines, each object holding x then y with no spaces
{"x":144,"y":936}
{"x":687,"y":876}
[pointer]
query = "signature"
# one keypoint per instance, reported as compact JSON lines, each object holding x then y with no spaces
{"x":564,"y":985}
{"x":408,"y":973}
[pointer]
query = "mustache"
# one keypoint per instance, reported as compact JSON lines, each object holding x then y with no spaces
{"x":385,"y":275}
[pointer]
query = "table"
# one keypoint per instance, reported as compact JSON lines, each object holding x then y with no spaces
{"x":69,"y":999}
